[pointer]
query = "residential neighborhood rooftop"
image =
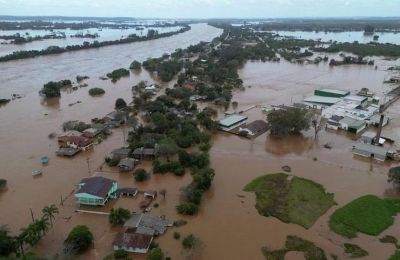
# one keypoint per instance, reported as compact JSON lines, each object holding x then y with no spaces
{"x":97,"y":186}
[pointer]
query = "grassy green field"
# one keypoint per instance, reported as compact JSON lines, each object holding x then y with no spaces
{"x":290,"y":199}
{"x":368,"y":214}
{"x":294,"y":243}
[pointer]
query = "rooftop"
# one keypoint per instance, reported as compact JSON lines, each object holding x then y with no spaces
{"x":147,"y":224}
{"x":231,"y":120}
{"x":322,"y":100}
{"x":130,"y":239}
{"x":378,"y":150}
{"x":334,"y":91}
{"x":96,"y":186}
{"x":352,"y":122}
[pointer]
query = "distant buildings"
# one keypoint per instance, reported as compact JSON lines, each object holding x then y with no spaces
{"x":96,"y":191}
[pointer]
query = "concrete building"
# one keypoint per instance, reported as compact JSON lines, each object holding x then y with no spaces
{"x":231,"y":122}
{"x":352,"y":125}
{"x":321,"y":101}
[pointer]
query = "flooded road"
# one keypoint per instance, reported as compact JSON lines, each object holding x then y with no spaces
{"x":228,"y":224}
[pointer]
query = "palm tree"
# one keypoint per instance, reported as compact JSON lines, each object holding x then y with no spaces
{"x":20,"y":240}
{"x":42,"y":225}
{"x":49,"y":212}
{"x":30,"y":235}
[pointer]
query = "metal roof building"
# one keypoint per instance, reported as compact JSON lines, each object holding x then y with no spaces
{"x":231,"y":122}
{"x":371,"y":151}
{"x":327,"y":92}
{"x":322,"y":100}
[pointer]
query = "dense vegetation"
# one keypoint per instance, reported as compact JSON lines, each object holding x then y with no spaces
{"x":294,"y":200}
{"x":53,"y":89}
{"x":363,"y":49}
{"x":30,"y":235}
{"x":296,"y":244}
{"x":368,"y":214}
{"x":117,"y":74}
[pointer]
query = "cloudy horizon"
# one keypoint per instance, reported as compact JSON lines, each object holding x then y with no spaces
{"x":202,"y":8}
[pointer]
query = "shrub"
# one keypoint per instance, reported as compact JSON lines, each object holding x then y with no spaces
{"x":96,"y":91}
{"x":118,"y":73}
{"x":78,"y":240}
{"x":141,"y":175}
{"x":187,"y":208}
{"x":177,"y":235}
{"x":156,"y":254}
{"x":112,"y":162}
{"x":3,"y":183}
{"x":189,"y":241}
{"x":120,"y":254}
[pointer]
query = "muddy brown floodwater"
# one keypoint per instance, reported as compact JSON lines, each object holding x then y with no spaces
{"x":228,"y":224}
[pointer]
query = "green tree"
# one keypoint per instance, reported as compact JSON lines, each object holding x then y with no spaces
{"x":156,"y":254}
{"x":167,"y":147}
{"x":118,"y":216}
{"x":79,"y":239}
{"x":141,"y":175}
{"x":187,"y":208}
{"x":289,"y":120}
{"x":120,"y":103}
{"x":96,"y":91}
{"x":135,"y":65}
{"x":8,"y":244}
{"x":42,"y":226}
{"x":49,"y":213}
{"x":394,"y":175}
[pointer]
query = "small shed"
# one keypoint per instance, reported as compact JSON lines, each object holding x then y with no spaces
{"x":145,"y":153}
{"x":370,"y":151}
{"x":68,"y":152}
{"x":129,"y":192}
{"x":126,"y":164}
{"x":150,"y":194}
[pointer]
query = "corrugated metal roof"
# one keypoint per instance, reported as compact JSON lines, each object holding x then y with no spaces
{"x":231,"y":120}
{"x":373,"y":149}
{"x":322,"y":100}
{"x":335,"y":91}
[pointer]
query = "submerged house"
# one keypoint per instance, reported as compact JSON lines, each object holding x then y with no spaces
{"x":145,"y":153}
{"x":333,"y":122}
{"x":126,"y":164}
{"x":255,"y":128}
{"x":96,"y":191}
{"x":121,"y":153}
{"x":139,"y":231}
{"x":231,"y":122}
{"x":76,"y":142}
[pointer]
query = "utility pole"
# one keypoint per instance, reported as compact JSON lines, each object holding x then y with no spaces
{"x":33,"y":219}
{"x":88,"y":164}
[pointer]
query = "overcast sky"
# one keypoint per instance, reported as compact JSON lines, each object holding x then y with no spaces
{"x":202,"y":8}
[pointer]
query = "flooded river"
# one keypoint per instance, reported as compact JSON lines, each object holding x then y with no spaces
{"x":228,"y":224}
{"x":105,"y":34}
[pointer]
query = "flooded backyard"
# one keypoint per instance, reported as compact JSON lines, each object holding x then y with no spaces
{"x":228,"y":224}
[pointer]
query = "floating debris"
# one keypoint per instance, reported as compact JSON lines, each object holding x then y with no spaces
{"x":286,"y":168}
{"x":36,"y":173}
